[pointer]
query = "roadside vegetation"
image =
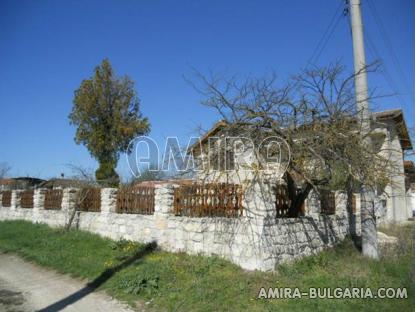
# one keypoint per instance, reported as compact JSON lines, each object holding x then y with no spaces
{"x":156,"y":280}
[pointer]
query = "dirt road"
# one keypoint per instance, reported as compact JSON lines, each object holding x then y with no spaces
{"x":27,"y":287}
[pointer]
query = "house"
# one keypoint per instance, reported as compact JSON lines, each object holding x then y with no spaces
{"x":389,"y":133}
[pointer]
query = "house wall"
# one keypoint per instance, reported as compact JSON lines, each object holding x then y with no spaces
{"x":396,"y":210}
{"x":255,"y":241}
{"x":410,"y":200}
{"x":245,"y":170}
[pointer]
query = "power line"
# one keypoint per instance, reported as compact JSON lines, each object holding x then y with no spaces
{"x":388,"y":43}
{"x":388,"y":77}
{"x":338,"y":13}
{"x":384,"y":71}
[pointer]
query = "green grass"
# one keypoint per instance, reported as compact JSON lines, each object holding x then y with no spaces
{"x":179,"y":282}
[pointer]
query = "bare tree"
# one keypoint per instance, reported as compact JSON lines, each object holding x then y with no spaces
{"x":150,"y":174}
{"x":4,"y":169}
{"x":315,"y":112}
{"x":82,"y":180}
{"x":81,"y":173}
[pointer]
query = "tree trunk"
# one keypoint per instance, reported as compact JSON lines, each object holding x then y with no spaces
{"x":71,"y":218}
{"x":297,"y":198}
{"x":369,"y":231}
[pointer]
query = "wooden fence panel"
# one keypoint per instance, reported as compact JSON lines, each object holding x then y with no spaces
{"x":53,"y":199}
{"x":7,"y":198}
{"x":328,"y":202}
{"x":26,"y":200}
{"x":283,"y":202}
{"x":208,"y":200}
{"x":89,"y":199}
{"x":137,"y":200}
{"x":353,"y":203}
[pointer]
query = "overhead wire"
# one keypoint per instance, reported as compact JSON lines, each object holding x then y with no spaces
{"x":387,"y":41}
{"x":384,"y":71}
{"x":374,"y":52}
{"x":318,"y":50}
{"x":334,"y":21}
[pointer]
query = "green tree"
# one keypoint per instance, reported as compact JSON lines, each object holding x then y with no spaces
{"x":107,"y":114}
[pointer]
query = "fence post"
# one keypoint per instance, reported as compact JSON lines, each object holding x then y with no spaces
{"x":313,"y":204}
{"x":108,"y":200}
{"x":16,"y":199}
{"x":69,"y":199}
{"x":340,"y":204}
{"x":259,"y":201}
{"x":163,"y":199}
{"x":39,"y":199}
{"x":1,"y":199}
{"x":357,"y":219}
{"x":163,"y":207}
{"x":69,"y":196}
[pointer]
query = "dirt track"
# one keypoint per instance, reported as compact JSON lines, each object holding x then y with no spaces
{"x":27,"y":287}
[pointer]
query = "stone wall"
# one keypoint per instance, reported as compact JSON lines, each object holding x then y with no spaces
{"x":255,"y":241}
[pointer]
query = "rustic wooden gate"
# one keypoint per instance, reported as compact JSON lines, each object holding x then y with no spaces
{"x":139,"y":200}
{"x":89,"y":199}
{"x":352,"y":203}
{"x":7,"y":198}
{"x":208,"y":200}
{"x":283,"y":202}
{"x":53,"y":199}
{"x":328,"y":202}
{"x":26,"y":200}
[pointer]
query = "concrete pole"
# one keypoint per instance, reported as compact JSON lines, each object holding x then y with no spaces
{"x":360,"y":65}
{"x":368,"y":219}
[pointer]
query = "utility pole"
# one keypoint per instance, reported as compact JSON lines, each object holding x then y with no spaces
{"x":369,"y":232}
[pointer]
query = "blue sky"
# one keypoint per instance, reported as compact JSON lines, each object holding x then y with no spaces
{"x":48,"y":47}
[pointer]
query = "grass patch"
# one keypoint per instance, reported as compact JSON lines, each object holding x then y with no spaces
{"x":179,"y":282}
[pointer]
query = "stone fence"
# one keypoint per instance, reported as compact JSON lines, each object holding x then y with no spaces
{"x":257,"y":240}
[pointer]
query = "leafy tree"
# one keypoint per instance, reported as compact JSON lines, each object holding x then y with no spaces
{"x":107,"y":115}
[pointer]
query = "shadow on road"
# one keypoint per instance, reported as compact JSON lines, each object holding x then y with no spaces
{"x":101,"y":279}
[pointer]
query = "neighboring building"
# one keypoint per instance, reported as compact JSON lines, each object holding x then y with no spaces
{"x":30,"y":183}
{"x":19,"y":183}
{"x":65,"y":183}
{"x":390,"y":135}
{"x":5,"y":184}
